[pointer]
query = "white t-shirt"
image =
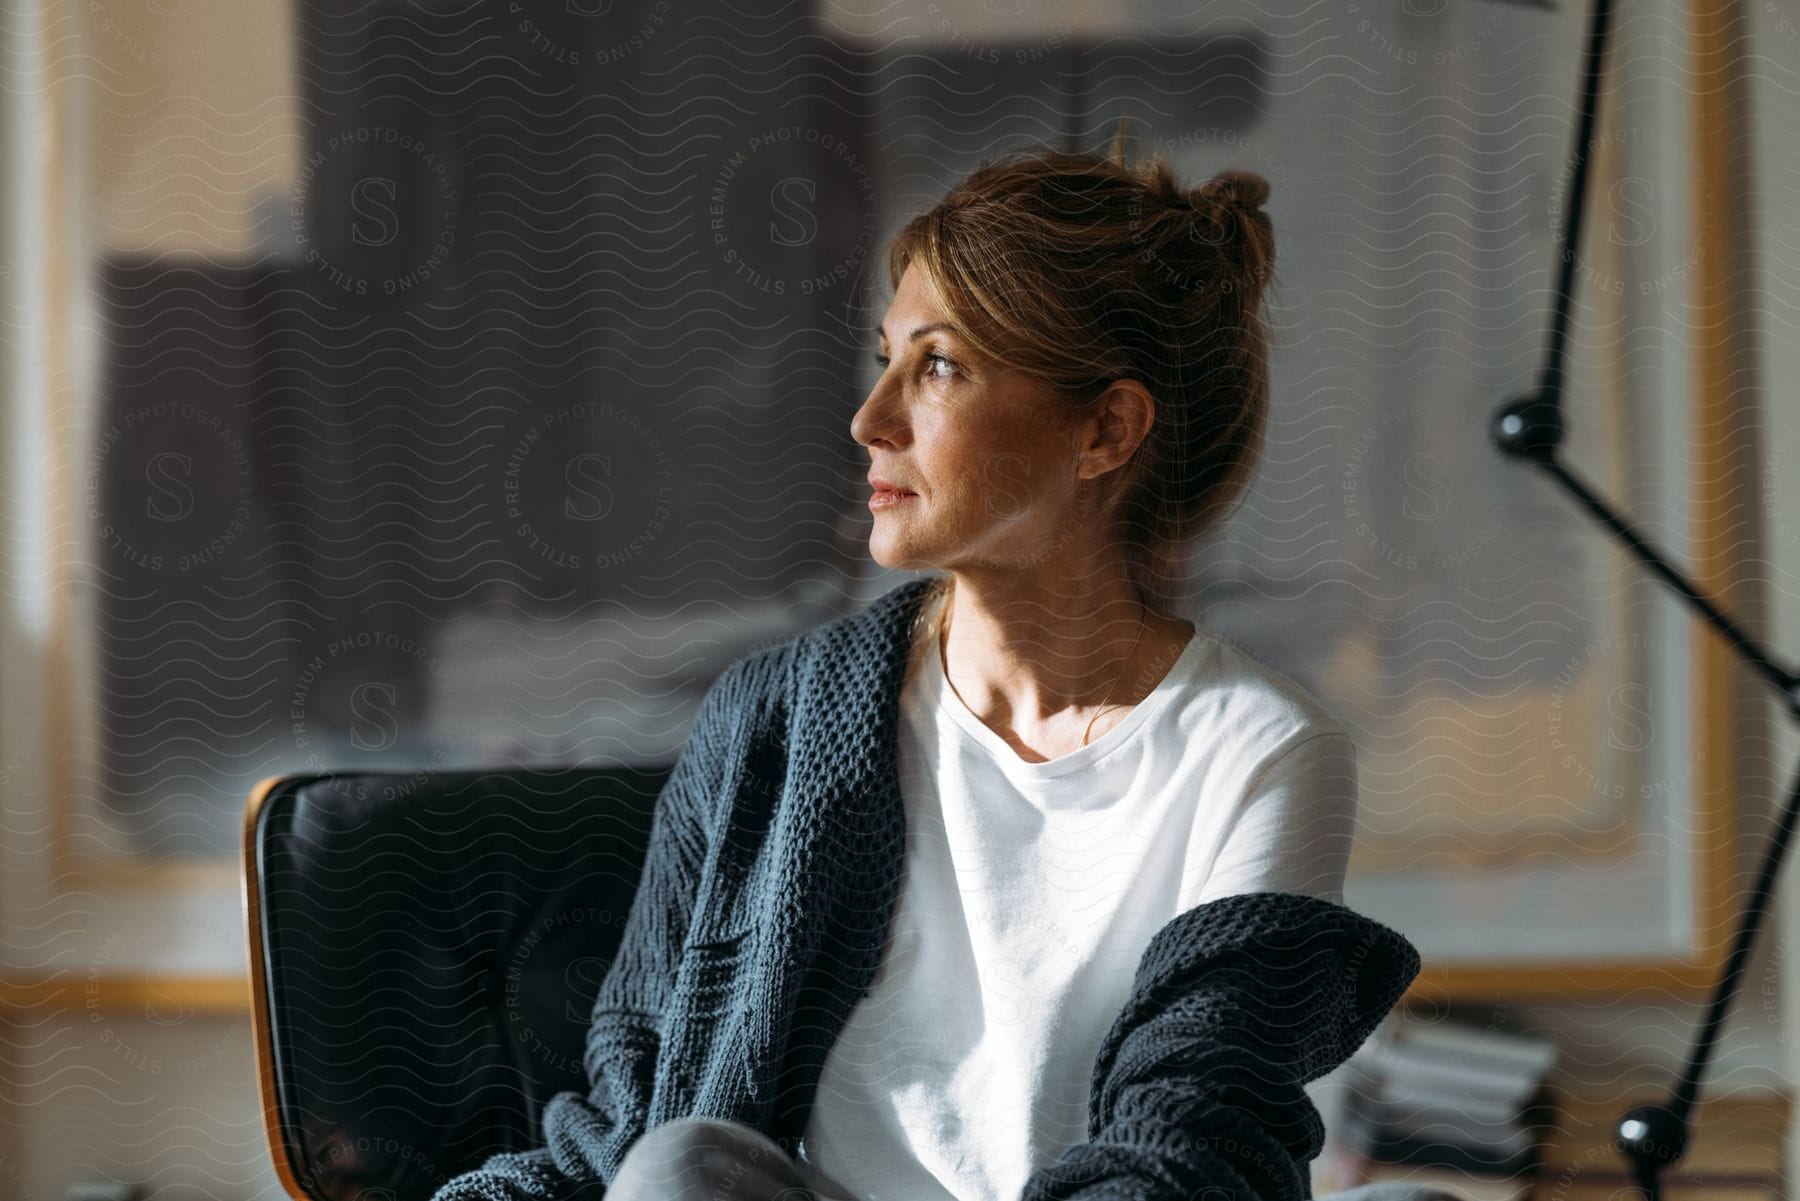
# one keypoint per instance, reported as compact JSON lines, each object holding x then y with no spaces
{"x":1030,"y":892}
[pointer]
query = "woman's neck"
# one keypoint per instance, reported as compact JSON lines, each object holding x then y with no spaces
{"x":1047,"y":666}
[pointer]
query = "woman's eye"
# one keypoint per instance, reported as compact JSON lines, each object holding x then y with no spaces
{"x":883,"y":360}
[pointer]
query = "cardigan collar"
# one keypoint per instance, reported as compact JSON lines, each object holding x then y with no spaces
{"x":858,"y":715}
{"x":844,"y":734}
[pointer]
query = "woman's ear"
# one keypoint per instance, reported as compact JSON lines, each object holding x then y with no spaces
{"x":1120,"y":422}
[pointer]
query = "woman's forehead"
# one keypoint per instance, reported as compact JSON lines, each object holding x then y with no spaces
{"x":913,"y":303}
{"x":909,"y":329}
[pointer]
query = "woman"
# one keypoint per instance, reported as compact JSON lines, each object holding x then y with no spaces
{"x":1033,"y":887}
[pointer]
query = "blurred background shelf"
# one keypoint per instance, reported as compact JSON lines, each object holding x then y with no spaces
{"x":183,"y":995}
{"x":1492,"y":1114}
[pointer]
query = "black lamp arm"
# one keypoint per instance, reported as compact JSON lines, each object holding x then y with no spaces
{"x":1650,"y":1137}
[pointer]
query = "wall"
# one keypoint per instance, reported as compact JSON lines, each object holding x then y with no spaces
{"x":193,"y":118}
{"x":1775,"y":200}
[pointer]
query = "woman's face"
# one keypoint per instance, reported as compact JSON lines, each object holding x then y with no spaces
{"x":989,"y":463}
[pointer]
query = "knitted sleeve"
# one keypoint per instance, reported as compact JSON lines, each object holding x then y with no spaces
{"x":1237,"y":1003}
{"x":588,"y":1136}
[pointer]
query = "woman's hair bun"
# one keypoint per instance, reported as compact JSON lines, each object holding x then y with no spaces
{"x":1235,"y":189}
{"x":1230,"y":218}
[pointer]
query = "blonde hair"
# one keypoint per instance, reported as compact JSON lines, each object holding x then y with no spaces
{"x":1078,"y":269}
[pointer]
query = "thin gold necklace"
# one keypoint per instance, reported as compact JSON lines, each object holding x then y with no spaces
{"x":1142,"y":613}
{"x":944,"y":663}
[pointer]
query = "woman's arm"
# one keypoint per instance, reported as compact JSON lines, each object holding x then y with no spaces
{"x":1236,"y":1004}
{"x":588,"y":1136}
{"x":1295,"y":823}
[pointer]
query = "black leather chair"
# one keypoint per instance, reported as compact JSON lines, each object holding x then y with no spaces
{"x":424,"y":953}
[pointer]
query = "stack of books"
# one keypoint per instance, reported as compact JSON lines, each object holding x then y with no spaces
{"x":1451,"y":1103}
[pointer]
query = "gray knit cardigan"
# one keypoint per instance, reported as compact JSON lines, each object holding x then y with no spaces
{"x":773,"y":870}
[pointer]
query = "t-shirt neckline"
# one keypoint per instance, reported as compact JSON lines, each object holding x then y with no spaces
{"x":940,"y":694}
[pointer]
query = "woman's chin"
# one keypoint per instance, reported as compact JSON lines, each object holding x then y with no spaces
{"x":899,"y":556}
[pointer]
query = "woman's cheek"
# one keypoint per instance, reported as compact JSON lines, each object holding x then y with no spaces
{"x":1006,"y":478}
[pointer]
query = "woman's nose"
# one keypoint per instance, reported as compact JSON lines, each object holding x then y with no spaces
{"x":874,"y":419}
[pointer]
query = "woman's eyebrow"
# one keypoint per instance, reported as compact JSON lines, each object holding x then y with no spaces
{"x":921,"y":331}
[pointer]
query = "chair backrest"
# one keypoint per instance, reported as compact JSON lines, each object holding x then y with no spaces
{"x":425,"y":949}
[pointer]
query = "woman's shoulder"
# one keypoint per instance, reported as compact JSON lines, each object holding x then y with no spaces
{"x":859,"y":646}
{"x":876,"y":631}
{"x":1266,"y":705}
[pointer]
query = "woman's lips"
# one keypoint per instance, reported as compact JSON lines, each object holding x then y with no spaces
{"x":887,"y":498}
